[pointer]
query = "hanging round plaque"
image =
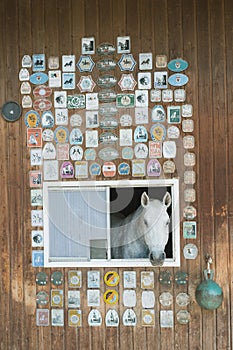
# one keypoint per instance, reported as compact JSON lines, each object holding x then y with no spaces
{"x":11,"y":111}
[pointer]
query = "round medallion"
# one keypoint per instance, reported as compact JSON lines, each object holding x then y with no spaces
{"x":111,"y":278}
{"x":11,"y":111}
{"x":183,"y":316}
{"x":41,"y":278}
{"x":42,"y":298}
{"x":57,"y":278}
{"x":182,"y":299}
{"x":166,"y":299}
{"x":111,"y":297}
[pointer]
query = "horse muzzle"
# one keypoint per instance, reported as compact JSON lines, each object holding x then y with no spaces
{"x":157,"y":259}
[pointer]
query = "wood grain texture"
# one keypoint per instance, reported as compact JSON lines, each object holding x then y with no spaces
{"x":200,"y":31}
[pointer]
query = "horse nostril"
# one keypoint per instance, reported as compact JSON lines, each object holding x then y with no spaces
{"x":162,"y":256}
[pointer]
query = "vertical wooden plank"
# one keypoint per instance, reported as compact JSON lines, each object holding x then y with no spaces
{"x":189,"y":32}
{"x":229,"y":66}
{"x":5,"y":329}
{"x":160,"y":30}
{"x":220,"y":172}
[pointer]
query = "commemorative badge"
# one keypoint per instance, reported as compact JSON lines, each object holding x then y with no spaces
{"x":127,"y":82}
{"x":189,"y":212}
{"x":108,"y":123}
{"x":11,"y":111}
{"x":32,"y":119}
{"x":60,"y":99}
{"x":105,"y":49}
{"x":189,"y":195}
{"x":167,"y":95}
{"x":90,"y":154}
{"x":147,"y":279}
{"x":129,"y":298}
{"x":108,"y":154}
{"x":42,"y":317}
{"x":187,"y":125}
{"x":179,"y":95}
{"x":148,"y":317}
{"x":138,"y":167}
{"x":47,"y":119}
{"x":111,"y":278}
{"x":141,"y":150}
{"x":155,"y":149}
{"x":47,"y":135}
{"x":158,"y":114}
{"x":38,"y":78}
{"x":112,"y":318}
{"x":106,"y":81}
{"x":27,"y":102}
{"x":188,"y":142}
{"x":190,"y":229}
{"x":141,"y":98}
{"x":125,"y":100}
{"x":144,"y":80}
{"x":24,"y":74}
{"x":85,"y":64}
{"x":183,"y":317}
{"x":155,"y":95}
{"x":42,"y":278}
{"x":57,"y":278}
{"x":174,"y":114}
{"x":68,"y":81}
{"x":166,"y":299}
{"x":177,"y":65}
{"x":187,"y":110}
{"x":109,"y":169}
{"x":38,"y":235}
{"x":95,"y":169}
{"x":73,"y":299}
{"x":49,"y":151}
{"x":189,"y":177}
{"x":158,"y":132}
{"x":107,"y":95}
{"x":68,"y":63}
{"x":57,"y":317}
{"x":127,"y":62}
{"x":53,"y":62}
{"x":165,"y":278}
{"x":91,"y":137}
{"x":51,"y":170}
{"x":93,"y":279}
{"x":81,"y":169}
{"x":42,"y":298}
{"x":181,"y":278}
{"x":169,"y":149}
{"x":38,"y":62}
{"x":75,"y":120}
{"x":178,"y":79}
{"x":141,"y":115}
{"x":123,"y":169}
{"x":35,"y":156}
{"x":94,"y":318}
{"x":126,"y":137}
{"x":88,"y":46}
{"x":153,"y":168}
{"x":67,"y":170}
{"x":145,"y":61}
{"x":123,"y":44}
{"x":173,"y":132}
{"x":35,"y":178}
{"x":25,"y":88}
{"x":37,"y":258}
{"x":148,"y":299}
{"x":75,"y":279}
{"x":160,"y":80}
{"x":61,"y":116}
{"x":182,"y":299}
{"x":108,"y":109}
{"x":190,"y":251}
{"x":86,"y":84}
{"x":61,"y":134}
{"x":92,"y":101}
{"x":166,"y":319}
{"x":42,"y":104}
{"x":34,"y":137}
{"x":169,"y":167}
{"x":140,"y":134}
{"x":189,"y":159}
{"x":54,"y":78}
{"x":92,"y":119}
{"x":42,"y":91}
{"x":111,"y":296}
{"x":76,"y":137}
{"x":26,"y":61}
{"x":127,"y":153}
{"x":161,"y":61}
{"x":75,"y":318}
{"x":106,"y":64}
{"x":76,"y":101}
{"x":129,"y":318}
{"x":130,"y":279}
{"x":57,"y":298}
{"x":108,"y":138}
{"x":93,"y":297}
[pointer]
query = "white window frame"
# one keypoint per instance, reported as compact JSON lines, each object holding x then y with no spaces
{"x":169,"y":262}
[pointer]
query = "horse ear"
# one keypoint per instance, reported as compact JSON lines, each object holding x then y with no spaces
{"x":167,"y":199}
{"x":145,"y":200}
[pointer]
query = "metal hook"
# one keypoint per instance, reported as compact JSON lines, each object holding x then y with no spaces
{"x":209,"y":261}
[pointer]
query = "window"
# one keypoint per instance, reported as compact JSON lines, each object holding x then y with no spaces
{"x":84,"y":222}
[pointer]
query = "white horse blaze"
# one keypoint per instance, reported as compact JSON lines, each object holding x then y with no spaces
{"x":144,"y":232}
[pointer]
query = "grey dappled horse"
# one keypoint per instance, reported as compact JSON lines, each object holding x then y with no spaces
{"x":144,"y":233}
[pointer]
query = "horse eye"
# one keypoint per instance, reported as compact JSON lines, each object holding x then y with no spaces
{"x":145,"y":222}
{"x":168,"y":222}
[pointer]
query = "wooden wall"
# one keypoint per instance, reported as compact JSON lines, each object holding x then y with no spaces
{"x":200,"y":31}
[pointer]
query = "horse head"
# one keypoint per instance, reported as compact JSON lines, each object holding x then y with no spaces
{"x":155,"y":226}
